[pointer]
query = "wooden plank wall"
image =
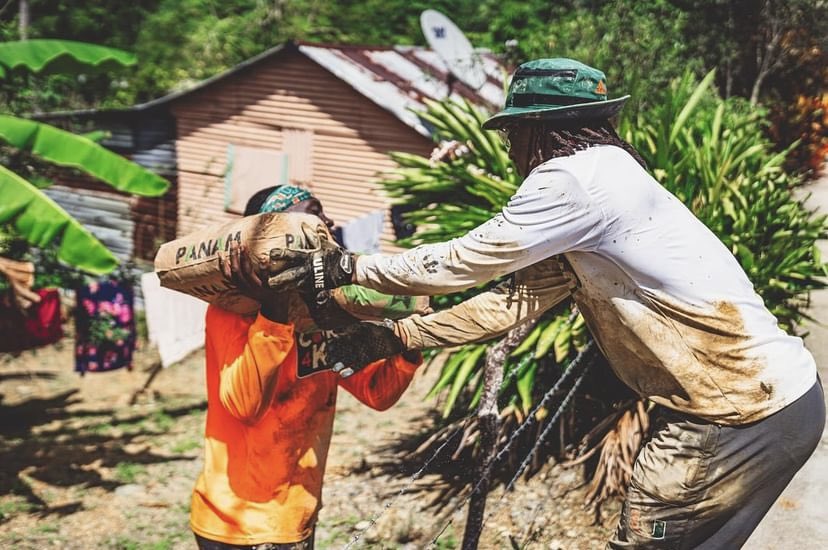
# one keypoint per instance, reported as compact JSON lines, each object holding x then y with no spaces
{"x":256,"y":107}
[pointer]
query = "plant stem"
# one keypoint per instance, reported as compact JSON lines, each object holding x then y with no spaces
{"x":489,"y":422}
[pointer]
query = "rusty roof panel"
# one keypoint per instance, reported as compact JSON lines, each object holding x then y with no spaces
{"x":386,"y":94}
{"x":396,"y":78}
{"x":399,"y":79}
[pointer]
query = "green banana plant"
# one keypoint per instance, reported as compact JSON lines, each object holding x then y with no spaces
{"x":41,"y":220}
{"x":60,"y":56}
{"x":34,"y":216}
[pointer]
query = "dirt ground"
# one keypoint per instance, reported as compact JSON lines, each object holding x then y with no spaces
{"x":82,"y":468}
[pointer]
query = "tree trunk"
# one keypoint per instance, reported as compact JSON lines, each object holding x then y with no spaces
{"x":731,"y":29}
{"x":24,"y":19}
{"x":489,"y":422}
{"x":767,"y":56}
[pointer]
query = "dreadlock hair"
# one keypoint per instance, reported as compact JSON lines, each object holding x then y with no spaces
{"x":548,"y":140}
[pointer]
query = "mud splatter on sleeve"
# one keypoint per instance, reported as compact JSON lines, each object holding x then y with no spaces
{"x":548,"y":215}
{"x":535,"y":290}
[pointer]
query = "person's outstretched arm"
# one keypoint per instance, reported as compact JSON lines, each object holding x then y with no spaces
{"x":533,"y":291}
{"x":548,"y":215}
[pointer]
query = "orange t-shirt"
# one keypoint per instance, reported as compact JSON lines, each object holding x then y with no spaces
{"x":268,"y":432}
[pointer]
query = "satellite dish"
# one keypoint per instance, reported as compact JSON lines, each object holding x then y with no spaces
{"x":454,"y":49}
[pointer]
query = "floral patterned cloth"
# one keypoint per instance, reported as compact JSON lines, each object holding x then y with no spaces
{"x":105,"y":327}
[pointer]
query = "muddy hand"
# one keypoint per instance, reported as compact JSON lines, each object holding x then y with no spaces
{"x":237,"y":268}
{"x":360,"y":345}
{"x":326,"y":312}
{"x":312,"y":271}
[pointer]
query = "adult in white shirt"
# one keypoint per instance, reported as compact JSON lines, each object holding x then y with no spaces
{"x":666,"y":301}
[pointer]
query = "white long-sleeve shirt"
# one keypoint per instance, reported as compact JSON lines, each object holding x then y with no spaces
{"x":667,"y":302}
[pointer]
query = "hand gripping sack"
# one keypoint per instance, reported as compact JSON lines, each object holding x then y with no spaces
{"x":191,"y":265}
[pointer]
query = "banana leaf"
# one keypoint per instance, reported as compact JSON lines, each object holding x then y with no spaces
{"x":68,"y":149}
{"x":41,"y":221}
{"x":60,"y":56}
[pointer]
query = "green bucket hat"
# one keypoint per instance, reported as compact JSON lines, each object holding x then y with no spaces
{"x":556,"y":89}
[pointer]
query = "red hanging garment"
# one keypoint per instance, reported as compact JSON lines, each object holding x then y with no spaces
{"x":39,"y":326}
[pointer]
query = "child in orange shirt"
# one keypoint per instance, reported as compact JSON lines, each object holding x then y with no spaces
{"x":268,"y":430}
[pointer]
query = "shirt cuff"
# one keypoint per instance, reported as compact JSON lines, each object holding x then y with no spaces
{"x":403,"y":364}
{"x":364,"y":263}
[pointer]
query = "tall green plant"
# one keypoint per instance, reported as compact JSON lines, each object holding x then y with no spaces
{"x":60,"y":56}
{"x":32,"y":214}
{"x":713,"y":155}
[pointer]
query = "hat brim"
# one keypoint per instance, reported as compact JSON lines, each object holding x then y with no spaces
{"x":589,"y":110}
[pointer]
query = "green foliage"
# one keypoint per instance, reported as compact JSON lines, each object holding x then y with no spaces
{"x":637,"y":44}
{"x":454,"y":195}
{"x":128,"y":472}
{"x":66,"y":149}
{"x":781,"y":44}
{"x":714,"y":156}
{"x":200,"y":38}
{"x":41,"y":221}
{"x":50,"y":272}
{"x":641,"y":45}
{"x":25,"y":208}
{"x":9,"y":508}
{"x":187,"y":445}
{"x":60,"y":56}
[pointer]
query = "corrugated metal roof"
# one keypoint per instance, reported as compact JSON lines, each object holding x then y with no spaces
{"x":400,"y":78}
{"x":396,"y":78}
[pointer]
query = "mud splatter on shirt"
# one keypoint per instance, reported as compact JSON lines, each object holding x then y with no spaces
{"x":668,"y":303}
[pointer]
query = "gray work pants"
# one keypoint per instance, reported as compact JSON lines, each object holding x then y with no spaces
{"x":700,"y":485}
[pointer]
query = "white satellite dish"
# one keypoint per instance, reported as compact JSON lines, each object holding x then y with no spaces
{"x":454,"y":49}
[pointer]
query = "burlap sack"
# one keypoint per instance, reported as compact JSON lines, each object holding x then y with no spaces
{"x":191,"y":265}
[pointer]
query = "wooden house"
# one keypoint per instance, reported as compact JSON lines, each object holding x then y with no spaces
{"x":321,"y":116}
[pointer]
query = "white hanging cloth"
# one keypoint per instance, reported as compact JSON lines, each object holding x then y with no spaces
{"x":362,"y":234}
{"x":175,"y":321}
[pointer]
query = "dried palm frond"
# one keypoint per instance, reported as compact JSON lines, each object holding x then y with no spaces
{"x":623,"y":436}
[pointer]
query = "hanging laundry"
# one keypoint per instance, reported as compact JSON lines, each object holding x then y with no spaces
{"x":362,"y":234}
{"x":104,"y":326}
{"x":20,"y":276}
{"x":175,"y":321}
{"x":39,"y":325}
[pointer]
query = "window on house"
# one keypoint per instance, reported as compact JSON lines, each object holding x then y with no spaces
{"x":298,"y":145}
{"x":248,"y":171}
